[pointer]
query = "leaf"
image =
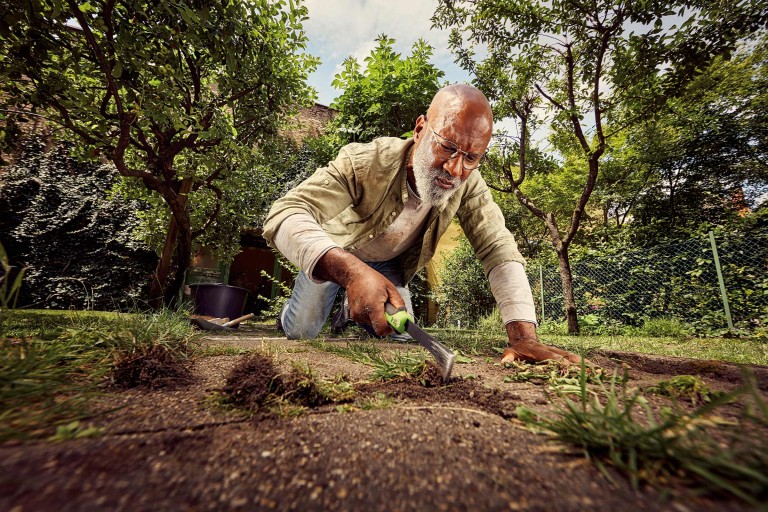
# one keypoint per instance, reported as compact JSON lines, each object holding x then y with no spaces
{"x":462,"y":359}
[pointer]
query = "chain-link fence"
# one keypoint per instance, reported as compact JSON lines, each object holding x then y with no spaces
{"x":712,"y":282}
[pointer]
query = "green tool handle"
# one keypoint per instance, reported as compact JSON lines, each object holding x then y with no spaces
{"x":397,"y":318}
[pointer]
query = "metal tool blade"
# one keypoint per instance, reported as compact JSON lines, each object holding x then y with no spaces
{"x":401,"y":322}
{"x":442,"y":354}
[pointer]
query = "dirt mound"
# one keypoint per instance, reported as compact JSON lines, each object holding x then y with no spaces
{"x":157,"y":368}
{"x":253,"y":381}
{"x":256,"y":382}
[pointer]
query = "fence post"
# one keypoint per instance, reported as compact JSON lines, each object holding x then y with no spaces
{"x":541,"y":289}
{"x":720,"y":280}
{"x":277,"y":275}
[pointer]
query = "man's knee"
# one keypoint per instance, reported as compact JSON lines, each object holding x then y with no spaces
{"x":301,"y":332}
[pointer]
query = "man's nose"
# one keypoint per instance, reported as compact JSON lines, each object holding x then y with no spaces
{"x":454,"y":166}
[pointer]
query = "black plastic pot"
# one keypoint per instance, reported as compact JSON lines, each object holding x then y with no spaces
{"x":219,"y":300}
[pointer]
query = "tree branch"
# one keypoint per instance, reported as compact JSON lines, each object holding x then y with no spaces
{"x":213,"y":214}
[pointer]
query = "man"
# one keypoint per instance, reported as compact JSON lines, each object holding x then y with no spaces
{"x":373,"y":217}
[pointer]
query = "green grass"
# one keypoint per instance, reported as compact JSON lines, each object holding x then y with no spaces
{"x":735,"y":350}
{"x":408,"y":363}
{"x":616,"y":425}
{"x":52,"y":362}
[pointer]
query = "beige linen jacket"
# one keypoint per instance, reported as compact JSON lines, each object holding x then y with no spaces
{"x":358,"y":195}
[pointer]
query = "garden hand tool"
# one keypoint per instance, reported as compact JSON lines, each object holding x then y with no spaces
{"x":213,"y":326}
{"x":402,"y":322}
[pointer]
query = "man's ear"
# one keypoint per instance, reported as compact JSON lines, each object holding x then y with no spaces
{"x":421,"y":123}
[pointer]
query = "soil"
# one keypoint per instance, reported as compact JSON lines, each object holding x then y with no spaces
{"x":429,"y":446}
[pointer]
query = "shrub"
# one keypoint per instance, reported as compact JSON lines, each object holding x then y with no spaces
{"x":75,"y":239}
{"x":464,"y":294}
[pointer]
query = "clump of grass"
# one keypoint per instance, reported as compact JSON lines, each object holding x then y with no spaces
{"x":696,"y":446}
{"x":50,"y":370}
{"x":408,"y":364}
{"x":491,"y":322}
{"x":376,"y":401}
{"x":562,"y":380}
{"x":687,"y":387}
{"x":156,"y":367}
{"x":663,"y":327}
{"x":256,"y":384}
{"x":400,"y":365}
{"x":303,"y":386}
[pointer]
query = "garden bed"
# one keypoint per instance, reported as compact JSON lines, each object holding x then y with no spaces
{"x":407,"y":443}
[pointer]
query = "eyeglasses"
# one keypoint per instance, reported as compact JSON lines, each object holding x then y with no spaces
{"x":450,"y":150}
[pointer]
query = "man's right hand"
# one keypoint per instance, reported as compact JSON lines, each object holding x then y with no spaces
{"x":367,"y":290}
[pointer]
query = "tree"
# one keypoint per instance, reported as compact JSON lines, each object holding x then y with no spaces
{"x":386,"y":98}
{"x":174,"y":94}
{"x":576,"y":65}
{"x":708,"y":152}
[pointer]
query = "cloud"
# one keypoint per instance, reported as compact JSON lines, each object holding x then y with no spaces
{"x":338,"y":29}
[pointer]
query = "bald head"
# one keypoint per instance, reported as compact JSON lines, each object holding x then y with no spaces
{"x":462,"y":106}
{"x":449,"y":142}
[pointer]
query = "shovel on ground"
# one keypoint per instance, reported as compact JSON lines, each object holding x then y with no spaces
{"x":207,"y":325}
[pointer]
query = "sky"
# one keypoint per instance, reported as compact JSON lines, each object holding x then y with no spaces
{"x":338,"y":29}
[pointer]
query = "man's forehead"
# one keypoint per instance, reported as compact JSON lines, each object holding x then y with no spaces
{"x":470,"y":132}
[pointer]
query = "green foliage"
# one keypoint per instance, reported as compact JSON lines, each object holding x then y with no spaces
{"x":10,"y":285}
{"x":491,"y":322}
{"x":663,"y":327}
{"x":74,"y":237}
{"x":464,"y":294}
{"x":659,"y":289}
{"x":578,"y":71}
{"x":276,"y":303}
{"x":176,"y":94}
{"x":703,"y":159}
{"x":387,"y":96}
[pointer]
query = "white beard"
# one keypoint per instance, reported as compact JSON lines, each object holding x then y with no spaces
{"x":430,"y":192}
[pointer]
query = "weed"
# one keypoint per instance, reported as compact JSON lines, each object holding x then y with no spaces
{"x":157,"y":367}
{"x":688,"y":387}
{"x":50,"y":369}
{"x":256,"y":384}
{"x":695,"y":445}
{"x":377,"y":401}
{"x":74,"y":430}
{"x":303,"y":386}
{"x":400,"y":364}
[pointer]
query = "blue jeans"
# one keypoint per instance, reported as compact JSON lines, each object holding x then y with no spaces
{"x":310,"y":303}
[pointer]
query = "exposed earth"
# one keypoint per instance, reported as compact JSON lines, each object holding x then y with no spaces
{"x":453,"y":447}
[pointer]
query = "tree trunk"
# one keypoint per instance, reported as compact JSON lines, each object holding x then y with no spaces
{"x":566,"y":276}
{"x":183,"y":257}
{"x":178,"y":237}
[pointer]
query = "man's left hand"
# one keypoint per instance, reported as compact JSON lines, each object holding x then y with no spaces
{"x":524,"y":345}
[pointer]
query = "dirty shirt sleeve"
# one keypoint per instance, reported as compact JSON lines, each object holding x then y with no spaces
{"x":301,"y":239}
{"x":512,"y":291}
